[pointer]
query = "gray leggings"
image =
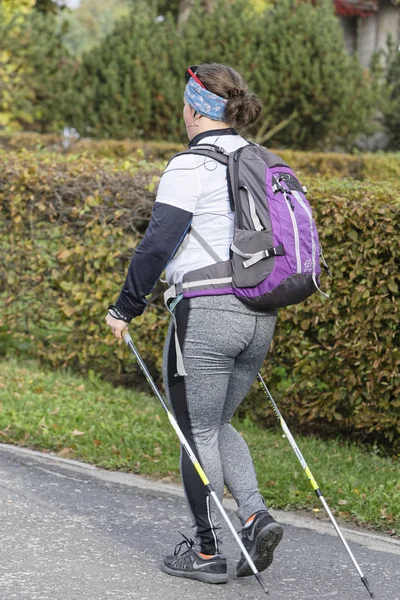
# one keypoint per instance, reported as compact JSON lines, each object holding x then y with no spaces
{"x":224,"y":344}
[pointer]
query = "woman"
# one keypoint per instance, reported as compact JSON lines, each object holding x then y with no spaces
{"x":223,"y":342}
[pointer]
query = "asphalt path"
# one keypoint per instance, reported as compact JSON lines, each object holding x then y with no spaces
{"x":70,"y":531}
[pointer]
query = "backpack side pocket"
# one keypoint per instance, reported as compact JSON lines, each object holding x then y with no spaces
{"x":253,"y":257}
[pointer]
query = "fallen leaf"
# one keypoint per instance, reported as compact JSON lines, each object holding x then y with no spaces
{"x":77,"y":432}
{"x":316,"y":510}
{"x":63,"y":254}
{"x":390,"y":519}
{"x":66,"y":452}
{"x":342,"y":502}
{"x":170,"y":478}
{"x":97,"y":443}
{"x":56,"y":411}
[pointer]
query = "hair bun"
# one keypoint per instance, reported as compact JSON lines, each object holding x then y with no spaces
{"x":234,"y":92}
{"x":242,"y":107}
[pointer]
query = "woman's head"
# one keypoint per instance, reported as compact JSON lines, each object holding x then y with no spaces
{"x":229,"y":102}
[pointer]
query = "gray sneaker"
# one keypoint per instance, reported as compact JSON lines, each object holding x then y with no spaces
{"x":191,"y":565}
{"x":260,"y":539}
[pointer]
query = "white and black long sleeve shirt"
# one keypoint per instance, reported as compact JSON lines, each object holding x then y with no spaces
{"x":193,"y":192}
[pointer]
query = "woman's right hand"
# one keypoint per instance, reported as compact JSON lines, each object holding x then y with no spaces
{"x":117,"y":326}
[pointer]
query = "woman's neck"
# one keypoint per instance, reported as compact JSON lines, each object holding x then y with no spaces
{"x":199,"y":137}
{"x":205,"y":124}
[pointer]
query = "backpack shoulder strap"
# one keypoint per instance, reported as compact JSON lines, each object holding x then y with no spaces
{"x":208,"y":150}
{"x":230,"y":160}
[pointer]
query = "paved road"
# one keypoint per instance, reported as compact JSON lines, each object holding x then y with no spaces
{"x":71,"y":534}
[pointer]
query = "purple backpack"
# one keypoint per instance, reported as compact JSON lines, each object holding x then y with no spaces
{"x":275,"y":253}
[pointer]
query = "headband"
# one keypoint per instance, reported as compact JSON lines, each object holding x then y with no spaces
{"x":205,"y":102}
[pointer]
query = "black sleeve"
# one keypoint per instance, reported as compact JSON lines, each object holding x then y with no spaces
{"x":167,"y":228}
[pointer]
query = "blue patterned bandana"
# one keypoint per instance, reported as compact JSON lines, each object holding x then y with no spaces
{"x":204,"y":102}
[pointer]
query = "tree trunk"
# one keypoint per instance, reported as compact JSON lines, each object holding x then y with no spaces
{"x":209,"y":5}
{"x":185,"y":7}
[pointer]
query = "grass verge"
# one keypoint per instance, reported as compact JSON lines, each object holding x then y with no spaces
{"x":116,"y":428}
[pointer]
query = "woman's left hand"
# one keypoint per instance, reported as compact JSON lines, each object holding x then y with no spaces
{"x":117,"y":326}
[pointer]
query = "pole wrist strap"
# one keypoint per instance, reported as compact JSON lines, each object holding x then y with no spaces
{"x":117,"y":314}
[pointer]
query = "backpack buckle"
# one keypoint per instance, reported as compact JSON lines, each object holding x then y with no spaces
{"x":277,"y":187}
{"x":219,"y":149}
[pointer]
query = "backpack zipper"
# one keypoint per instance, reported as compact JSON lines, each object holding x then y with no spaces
{"x":322,"y":259}
{"x":252,"y":207}
{"x":313,"y":248}
{"x":295,"y":231}
{"x":236,"y":188}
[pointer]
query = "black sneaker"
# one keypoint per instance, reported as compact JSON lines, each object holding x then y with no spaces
{"x":260,"y":539}
{"x":191,"y":565}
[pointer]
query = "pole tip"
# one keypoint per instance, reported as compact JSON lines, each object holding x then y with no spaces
{"x":365,"y":582}
{"x":260,"y":581}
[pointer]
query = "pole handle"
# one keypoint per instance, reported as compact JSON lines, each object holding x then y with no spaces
{"x":126,"y":336}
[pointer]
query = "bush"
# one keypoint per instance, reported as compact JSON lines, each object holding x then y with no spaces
{"x":392,"y":116}
{"x":294,"y":57}
{"x":35,"y":68}
{"x":68,"y":226}
{"x":328,"y":164}
{"x":62,"y":270}
{"x":337,"y":358}
{"x":88,"y":147}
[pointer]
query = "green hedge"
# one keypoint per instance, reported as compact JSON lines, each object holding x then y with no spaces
{"x":68,"y":226}
{"x":375,"y":166}
{"x":36,"y":142}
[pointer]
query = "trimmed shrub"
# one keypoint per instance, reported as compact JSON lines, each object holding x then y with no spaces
{"x":88,"y":147}
{"x":68,"y":227}
{"x":328,"y":164}
{"x":338,"y":359}
{"x":67,"y":230}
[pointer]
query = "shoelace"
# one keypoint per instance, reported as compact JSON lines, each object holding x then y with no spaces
{"x":185,"y":542}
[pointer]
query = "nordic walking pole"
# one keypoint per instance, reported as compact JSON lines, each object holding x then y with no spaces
{"x":128,"y":341}
{"x":311,"y":478}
